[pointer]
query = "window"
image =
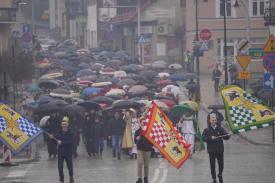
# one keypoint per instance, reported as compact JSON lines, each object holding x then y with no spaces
{"x":258,"y":7}
{"x":230,"y":11}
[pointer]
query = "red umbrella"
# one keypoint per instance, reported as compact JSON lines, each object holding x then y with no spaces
{"x":169,"y":103}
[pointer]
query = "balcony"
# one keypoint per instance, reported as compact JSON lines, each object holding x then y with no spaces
{"x":7,"y":15}
{"x":269,"y":16}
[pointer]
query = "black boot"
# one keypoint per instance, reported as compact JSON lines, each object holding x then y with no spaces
{"x":220,"y":178}
{"x":145,"y":179}
{"x":114,"y":154}
{"x":139,"y":180}
{"x":214,"y":181}
{"x":118,"y":156}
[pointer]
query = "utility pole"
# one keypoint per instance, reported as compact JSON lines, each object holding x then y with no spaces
{"x":225,"y":43}
{"x":198,"y":93}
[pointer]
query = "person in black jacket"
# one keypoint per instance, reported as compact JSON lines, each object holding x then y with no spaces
{"x":64,"y":150}
{"x":98,"y":136}
{"x":117,"y":127}
{"x":213,"y":136}
{"x":144,"y":148}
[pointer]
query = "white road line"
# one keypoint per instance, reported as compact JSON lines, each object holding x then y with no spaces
{"x":156,"y":175}
{"x":164,"y":176}
{"x":19,"y":173}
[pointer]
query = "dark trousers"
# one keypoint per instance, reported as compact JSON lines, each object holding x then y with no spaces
{"x":216,"y":84}
{"x":212,"y":158}
{"x":69,"y":162}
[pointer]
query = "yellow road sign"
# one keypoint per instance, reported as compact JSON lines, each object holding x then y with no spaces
{"x":243,"y":60}
{"x":244,"y":75}
{"x":270,"y":45}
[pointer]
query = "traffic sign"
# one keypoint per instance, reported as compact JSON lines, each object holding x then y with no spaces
{"x":269,"y":81}
{"x":26,"y":28}
{"x":142,"y":39}
{"x":204,"y":46}
{"x":256,"y":52}
{"x":205,"y":34}
{"x":270,"y":45}
{"x":243,"y":45}
{"x":15,"y":34}
{"x":244,"y":75}
{"x":243,"y":60}
{"x":269,"y":62}
{"x":27,"y":37}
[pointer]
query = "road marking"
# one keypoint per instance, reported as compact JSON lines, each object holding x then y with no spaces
{"x":19,"y":173}
{"x":164,"y":176}
{"x":156,"y":175}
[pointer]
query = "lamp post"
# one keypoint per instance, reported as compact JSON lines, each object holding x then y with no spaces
{"x":198,"y":95}
{"x":225,"y":43}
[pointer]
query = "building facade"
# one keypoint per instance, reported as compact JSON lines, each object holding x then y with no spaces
{"x":244,"y":21}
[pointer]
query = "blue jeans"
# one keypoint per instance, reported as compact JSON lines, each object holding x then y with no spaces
{"x":116,"y":143}
{"x":99,"y":144}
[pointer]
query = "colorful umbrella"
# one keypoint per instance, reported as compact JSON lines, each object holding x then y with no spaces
{"x":91,"y":91}
{"x":180,"y":109}
{"x":193,"y":105}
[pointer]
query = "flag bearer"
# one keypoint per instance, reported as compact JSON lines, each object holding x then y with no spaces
{"x":213,"y":136}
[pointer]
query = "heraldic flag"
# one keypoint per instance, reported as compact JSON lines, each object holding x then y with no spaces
{"x":159,"y":130}
{"x":15,"y":130}
{"x":245,"y":112}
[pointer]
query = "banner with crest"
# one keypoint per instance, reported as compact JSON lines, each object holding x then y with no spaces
{"x":16,"y":131}
{"x":245,"y":112}
{"x":159,"y":130}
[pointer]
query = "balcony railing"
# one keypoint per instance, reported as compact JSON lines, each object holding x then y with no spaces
{"x":7,"y":15}
{"x":269,"y":16}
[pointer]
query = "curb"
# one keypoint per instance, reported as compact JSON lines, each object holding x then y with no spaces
{"x":204,"y":107}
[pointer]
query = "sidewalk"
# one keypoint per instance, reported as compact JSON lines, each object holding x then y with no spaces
{"x":209,"y":97}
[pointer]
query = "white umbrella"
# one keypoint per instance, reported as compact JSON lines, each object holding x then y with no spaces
{"x":175,"y":66}
{"x":101,"y":84}
{"x":52,"y":75}
{"x":114,"y":91}
{"x":120,"y":74}
{"x":172,"y":89}
{"x":163,"y":75}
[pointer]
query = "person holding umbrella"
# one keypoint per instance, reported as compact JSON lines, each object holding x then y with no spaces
{"x":213,"y":136}
{"x":64,"y":139}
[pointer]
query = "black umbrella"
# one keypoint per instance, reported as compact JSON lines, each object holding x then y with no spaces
{"x":190,"y":76}
{"x":125,"y":104}
{"x":43,"y":99}
{"x":47,"y":108}
{"x":103,"y":99}
{"x":74,"y":110}
{"x":115,"y":97}
{"x":129,"y":82}
{"x":88,"y":105}
{"x":48,"y":84}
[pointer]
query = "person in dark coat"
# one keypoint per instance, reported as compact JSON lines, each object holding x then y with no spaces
{"x":117,"y":127}
{"x":213,"y":136}
{"x":87,"y":133}
{"x":98,"y":136}
{"x":52,"y":127}
{"x":64,"y":150}
{"x":144,"y":148}
{"x":216,"y":76}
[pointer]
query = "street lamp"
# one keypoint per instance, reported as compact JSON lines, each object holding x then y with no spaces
{"x":225,"y":42}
